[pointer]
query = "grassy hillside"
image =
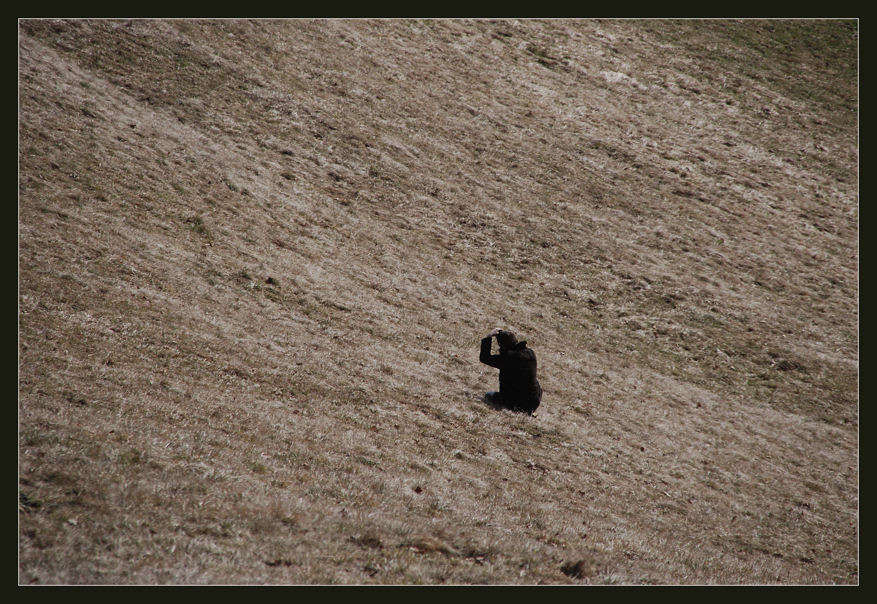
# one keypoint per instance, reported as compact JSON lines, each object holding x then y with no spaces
{"x":256,"y":260}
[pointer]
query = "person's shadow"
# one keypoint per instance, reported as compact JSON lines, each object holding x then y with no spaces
{"x":491,"y":401}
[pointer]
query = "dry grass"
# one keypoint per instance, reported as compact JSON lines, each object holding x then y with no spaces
{"x":256,"y":259}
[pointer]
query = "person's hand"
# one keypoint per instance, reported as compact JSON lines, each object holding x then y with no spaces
{"x":494,"y":332}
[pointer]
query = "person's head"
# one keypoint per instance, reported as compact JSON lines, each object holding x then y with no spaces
{"x":506,"y":340}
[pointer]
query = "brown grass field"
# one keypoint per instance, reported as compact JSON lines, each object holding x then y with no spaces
{"x":256,"y":259}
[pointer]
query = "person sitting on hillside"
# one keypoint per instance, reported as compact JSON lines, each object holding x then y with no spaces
{"x":519,"y":390}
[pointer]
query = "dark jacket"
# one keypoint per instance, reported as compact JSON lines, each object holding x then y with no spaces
{"x":518,"y":386}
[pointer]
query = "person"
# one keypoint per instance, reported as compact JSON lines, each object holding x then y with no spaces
{"x":519,"y":390}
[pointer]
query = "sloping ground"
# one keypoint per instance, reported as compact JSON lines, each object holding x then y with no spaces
{"x":256,"y":258}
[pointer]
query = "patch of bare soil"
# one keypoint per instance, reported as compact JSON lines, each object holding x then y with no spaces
{"x":256,"y":259}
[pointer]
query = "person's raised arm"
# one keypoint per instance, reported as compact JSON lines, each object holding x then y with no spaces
{"x":486,"y":357}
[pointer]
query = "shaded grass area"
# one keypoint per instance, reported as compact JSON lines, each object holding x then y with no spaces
{"x":796,"y":58}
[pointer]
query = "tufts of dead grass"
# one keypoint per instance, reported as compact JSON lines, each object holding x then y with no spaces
{"x":255,"y":259}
